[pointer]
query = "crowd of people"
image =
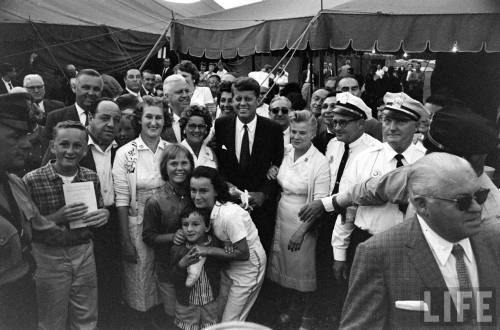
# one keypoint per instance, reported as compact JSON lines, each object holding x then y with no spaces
{"x":223,"y":198}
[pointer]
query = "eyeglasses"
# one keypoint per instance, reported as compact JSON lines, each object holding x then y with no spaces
{"x":464,"y":202}
{"x":342,"y":123}
{"x":32,"y":88}
{"x":328,"y":105}
{"x":278,"y":109}
{"x":193,"y":127}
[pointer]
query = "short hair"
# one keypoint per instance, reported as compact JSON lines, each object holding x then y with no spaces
{"x":127,"y":101}
{"x":443,"y":100}
{"x":171,"y":79}
{"x":69,"y":124}
{"x":204,"y":213}
{"x":304,"y":116}
{"x":298,"y":102}
{"x":247,"y":84}
{"x":94,"y":106}
{"x":148,"y":72}
{"x":281,"y":98}
{"x":331,"y":94}
{"x":220,"y":186}
{"x":88,"y":72}
{"x":6,"y":68}
{"x":331,"y":78}
{"x":346,"y":77}
{"x":111,"y":87}
{"x":170,"y":152}
{"x":199,"y":111}
{"x":214,"y":76}
{"x":430,"y":174}
{"x":126,"y":72}
{"x":189,"y":67}
{"x":147,"y":101}
{"x":29,"y":77}
{"x":226,"y":86}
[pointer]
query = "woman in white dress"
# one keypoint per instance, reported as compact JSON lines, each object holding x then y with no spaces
{"x":196,"y":123}
{"x":136,"y":175}
{"x":233,"y":225}
{"x":304,"y":176}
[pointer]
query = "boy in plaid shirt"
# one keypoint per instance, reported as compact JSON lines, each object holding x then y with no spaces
{"x":66,"y":275}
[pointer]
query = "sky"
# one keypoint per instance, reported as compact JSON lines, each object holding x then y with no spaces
{"x":226,"y":4}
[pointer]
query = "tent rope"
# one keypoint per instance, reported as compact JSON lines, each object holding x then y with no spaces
{"x":48,"y":50}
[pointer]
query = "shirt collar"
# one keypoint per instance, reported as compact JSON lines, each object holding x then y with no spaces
{"x":175,"y":117}
{"x":53,"y":176}
{"x":131,"y":92}
{"x":441,"y":247}
{"x":112,"y":145}
{"x":79,"y":109}
{"x":357,"y":142}
{"x":304,"y":158}
{"x":251,"y":125}
{"x":141,"y":145}
{"x":409,"y":154}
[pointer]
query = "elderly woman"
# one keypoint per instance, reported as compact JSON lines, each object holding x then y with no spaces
{"x":303,"y":176}
{"x":231,"y":223}
{"x":201,"y":95}
{"x":196,"y":124}
{"x":161,"y":216}
{"x":136,"y":174}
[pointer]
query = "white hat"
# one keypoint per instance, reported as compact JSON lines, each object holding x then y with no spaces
{"x":405,"y":105}
{"x":348,"y":104}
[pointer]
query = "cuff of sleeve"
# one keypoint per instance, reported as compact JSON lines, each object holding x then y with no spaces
{"x":339,"y":254}
{"x":328,"y":204}
{"x":341,"y":199}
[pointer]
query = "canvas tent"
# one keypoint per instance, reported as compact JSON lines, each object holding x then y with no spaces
{"x":387,"y":25}
{"x":107,"y":35}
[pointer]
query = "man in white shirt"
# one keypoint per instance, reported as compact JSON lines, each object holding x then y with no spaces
{"x":178,"y":96}
{"x":400,"y":117}
{"x":263,"y":75}
{"x":148,"y":83}
{"x":35,"y":85}
{"x":439,"y":269}
{"x":279,"y":111}
{"x":133,"y":83}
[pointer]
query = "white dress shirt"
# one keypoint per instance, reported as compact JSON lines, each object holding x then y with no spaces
{"x":102,"y":160}
{"x":286,"y":136}
{"x":8,"y":85}
{"x":136,"y":94}
{"x":375,"y":161}
{"x":41,"y":106}
{"x":206,"y":157}
{"x":263,"y":110}
{"x":176,"y":126}
{"x":441,"y":249}
{"x":238,"y":136}
{"x":81,"y":114}
{"x":261,"y":77}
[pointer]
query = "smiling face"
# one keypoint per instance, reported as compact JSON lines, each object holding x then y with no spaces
{"x":148,"y":80}
{"x":398,"y":133}
{"x":87,"y":89}
{"x":301,"y":135}
{"x":178,"y":169}
{"x":196,"y":130}
{"x":226,"y":103}
{"x":69,"y":147}
{"x":279,"y":112}
{"x":178,"y":95}
{"x":36,"y":88}
{"x":152,"y":121}
{"x":194,"y":228}
{"x":352,"y":130}
{"x":202,"y":193}
{"x":104,"y":125}
{"x":317,"y":99}
{"x":245,"y":105}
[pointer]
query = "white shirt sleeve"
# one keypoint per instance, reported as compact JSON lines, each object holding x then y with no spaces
{"x":120,"y":181}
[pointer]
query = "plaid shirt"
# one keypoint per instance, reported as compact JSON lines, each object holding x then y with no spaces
{"x":46,"y":189}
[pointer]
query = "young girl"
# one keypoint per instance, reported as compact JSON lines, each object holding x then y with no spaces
{"x":196,"y":278}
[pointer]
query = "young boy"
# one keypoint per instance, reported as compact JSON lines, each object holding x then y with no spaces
{"x":196,"y":278}
{"x":66,"y":275}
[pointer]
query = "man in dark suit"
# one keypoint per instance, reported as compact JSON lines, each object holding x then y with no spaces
{"x":35,"y":85}
{"x":89,"y":86}
{"x":178,"y":96}
{"x":247,"y":145}
{"x":8,"y":74}
{"x":425,"y":271}
{"x":148,"y":83}
{"x":167,"y":68}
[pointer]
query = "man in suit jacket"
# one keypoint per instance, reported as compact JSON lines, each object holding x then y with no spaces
{"x":8,"y":74}
{"x":167,"y":68}
{"x":89,"y":86}
{"x":428,"y":261}
{"x":178,"y":96}
{"x":148,"y":83}
{"x":35,"y":85}
{"x":247,"y":145}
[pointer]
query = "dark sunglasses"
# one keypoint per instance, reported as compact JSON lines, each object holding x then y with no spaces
{"x":278,"y":109}
{"x":342,"y":123}
{"x":464,"y":202}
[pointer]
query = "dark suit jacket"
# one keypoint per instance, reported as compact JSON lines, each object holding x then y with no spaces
{"x":303,"y":78}
{"x":321,"y":140}
{"x":169,"y":72}
{"x":267,"y":150}
{"x":3,"y":89}
{"x":88,"y":160}
{"x":398,"y":264}
{"x":49,"y":106}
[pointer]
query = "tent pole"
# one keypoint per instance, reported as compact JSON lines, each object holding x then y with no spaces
{"x":155,"y":46}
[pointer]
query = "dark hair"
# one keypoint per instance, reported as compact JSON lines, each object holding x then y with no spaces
{"x":220,"y":186}
{"x":171,"y":151}
{"x":247,"y":84}
{"x":148,"y":72}
{"x":345,"y":77}
{"x":69,"y":124}
{"x":127,"y":101}
{"x":6,"y":68}
{"x":188,"y":210}
{"x":215,"y":76}
{"x":331,"y":94}
{"x":189,"y":67}
{"x":147,"y":101}
{"x":126,"y":72}
{"x":196,"y":110}
{"x":88,"y":72}
{"x":95,"y":104}
{"x":291,"y":87}
{"x":111,"y":87}
{"x":444,"y":100}
{"x":298,"y":102}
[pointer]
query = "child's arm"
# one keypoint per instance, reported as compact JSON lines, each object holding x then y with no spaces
{"x":240,"y":251}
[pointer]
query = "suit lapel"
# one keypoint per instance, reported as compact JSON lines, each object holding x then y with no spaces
{"x":484,"y":259}
{"x":231,"y":136}
{"x":72,"y":114}
{"x":258,"y":141}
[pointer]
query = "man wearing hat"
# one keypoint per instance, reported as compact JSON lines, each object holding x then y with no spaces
{"x":399,"y":123}
{"x":20,"y":220}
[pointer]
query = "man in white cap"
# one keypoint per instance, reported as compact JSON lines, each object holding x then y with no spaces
{"x":35,"y":86}
{"x":399,"y":122}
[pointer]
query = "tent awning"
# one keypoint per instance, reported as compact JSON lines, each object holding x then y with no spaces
{"x":388,"y":25}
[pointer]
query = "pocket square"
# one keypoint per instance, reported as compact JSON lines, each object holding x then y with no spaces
{"x":223,"y":147}
{"x":412,"y":305}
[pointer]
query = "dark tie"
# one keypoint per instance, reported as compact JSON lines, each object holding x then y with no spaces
{"x":343,"y":161}
{"x":399,"y":162}
{"x":245,"y":150}
{"x":10,"y":85}
{"x":463,"y":278}
{"x":86,"y":118}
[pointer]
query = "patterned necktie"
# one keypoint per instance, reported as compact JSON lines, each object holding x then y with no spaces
{"x":399,"y":162}
{"x":245,"y":150}
{"x":343,"y":161}
{"x":463,"y":278}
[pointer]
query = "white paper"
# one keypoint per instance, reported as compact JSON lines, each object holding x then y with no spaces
{"x":412,"y":305}
{"x":80,"y":192}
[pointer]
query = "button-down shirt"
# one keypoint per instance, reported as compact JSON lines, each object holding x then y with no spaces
{"x":102,"y":160}
{"x":206,"y":156}
{"x":441,"y":249}
{"x":375,"y":161}
{"x":46,"y":189}
{"x":81,"y":114}
{"x":239,"y":135}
